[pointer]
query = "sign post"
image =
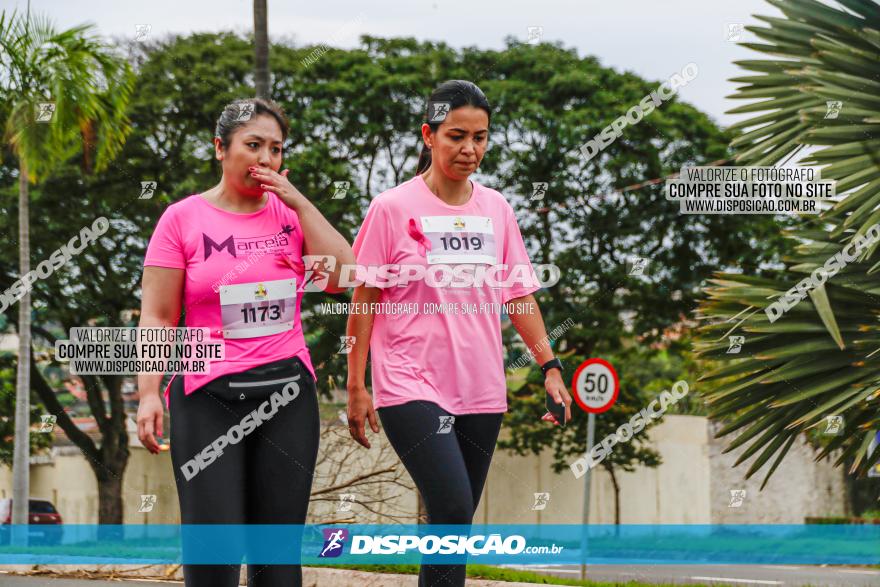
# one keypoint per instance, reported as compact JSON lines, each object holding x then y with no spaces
{"x":595,"y":388}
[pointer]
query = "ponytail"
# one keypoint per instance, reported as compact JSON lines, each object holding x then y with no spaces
{"x":424,"y":160}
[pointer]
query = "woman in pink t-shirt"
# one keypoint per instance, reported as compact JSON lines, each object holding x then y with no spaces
{"x":439,"y":256}
{"x":245,"y":434}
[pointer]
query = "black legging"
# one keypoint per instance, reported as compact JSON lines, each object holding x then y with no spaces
{"x":266,"y":478}
{"x":449,"y":469}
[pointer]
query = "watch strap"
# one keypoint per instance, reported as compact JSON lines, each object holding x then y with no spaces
{"x":553,"y":363}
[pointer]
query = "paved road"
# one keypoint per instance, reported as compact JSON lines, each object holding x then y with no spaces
{"x":790,"y":575}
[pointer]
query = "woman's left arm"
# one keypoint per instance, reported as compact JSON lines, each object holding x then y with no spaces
{"x":526,"y":318}
{"x":319,"y":236}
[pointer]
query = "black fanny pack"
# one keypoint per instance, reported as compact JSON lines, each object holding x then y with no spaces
{"x":261,"y":381}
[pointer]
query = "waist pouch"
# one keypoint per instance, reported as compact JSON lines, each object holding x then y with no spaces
{"x":262,"y":381}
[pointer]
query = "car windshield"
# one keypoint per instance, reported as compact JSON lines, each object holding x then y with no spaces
{"x":42,"y":507}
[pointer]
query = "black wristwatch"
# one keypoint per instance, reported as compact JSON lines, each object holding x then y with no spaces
{"x":553,"y":363}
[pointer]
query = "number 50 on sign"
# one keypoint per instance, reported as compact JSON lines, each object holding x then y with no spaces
{"x":595,"y":385}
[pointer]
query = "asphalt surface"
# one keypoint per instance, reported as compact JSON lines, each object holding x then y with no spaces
{"x":791,"y":575}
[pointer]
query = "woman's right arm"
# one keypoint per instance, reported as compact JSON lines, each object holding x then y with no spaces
{"x":162,"y":294}
{"x":360,"y":326}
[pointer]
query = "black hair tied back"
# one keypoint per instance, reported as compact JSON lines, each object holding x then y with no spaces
{"x":445,"y":98}
{"x":239,"y":112}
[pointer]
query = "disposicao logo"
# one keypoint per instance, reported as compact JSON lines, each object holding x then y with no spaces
{"x":334,"y":541}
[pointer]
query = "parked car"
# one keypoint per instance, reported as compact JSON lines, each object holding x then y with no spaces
{"x":40,"y":513}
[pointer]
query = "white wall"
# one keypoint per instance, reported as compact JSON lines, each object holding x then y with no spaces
{"x":692,"y":485}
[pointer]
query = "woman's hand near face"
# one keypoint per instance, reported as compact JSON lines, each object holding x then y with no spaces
{"x":280,"y":185}
{"x":319,"y":237}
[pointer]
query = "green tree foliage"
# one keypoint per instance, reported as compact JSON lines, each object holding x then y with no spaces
{"x":355,"y":116}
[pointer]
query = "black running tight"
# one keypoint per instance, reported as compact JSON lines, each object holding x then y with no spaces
{"x":448,"y":461}
{"x":265,"y":478}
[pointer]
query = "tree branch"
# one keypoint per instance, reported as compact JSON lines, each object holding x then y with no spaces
{"x":50,"y":401}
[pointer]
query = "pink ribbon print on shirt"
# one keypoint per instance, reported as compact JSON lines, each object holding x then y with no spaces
{"x":283,"y":259}
{"x":298,"y":267}
{"x":315,"y":274}
{"x":418,"y":236}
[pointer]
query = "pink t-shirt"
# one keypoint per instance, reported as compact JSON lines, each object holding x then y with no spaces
{"x":422,"y":350}
{"x":247,"y":263}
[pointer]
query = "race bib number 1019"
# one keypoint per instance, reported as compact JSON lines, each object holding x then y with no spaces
{"x":460,"y":239}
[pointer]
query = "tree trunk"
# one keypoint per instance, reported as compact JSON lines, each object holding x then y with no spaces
{"x":261,"y":49}
{"x":21,"y":455}
{"x":616,"y":494}
{"x":110,"y":498}
{"x":109,"y":473}
{"x":109,"y":470}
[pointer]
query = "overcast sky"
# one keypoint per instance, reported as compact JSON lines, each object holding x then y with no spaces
{"x":653,"y":39}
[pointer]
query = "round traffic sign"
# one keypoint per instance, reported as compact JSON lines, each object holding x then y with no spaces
{"x":595,"y":386}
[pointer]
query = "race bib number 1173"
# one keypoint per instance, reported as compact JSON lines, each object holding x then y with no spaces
{"x":257,"y":309}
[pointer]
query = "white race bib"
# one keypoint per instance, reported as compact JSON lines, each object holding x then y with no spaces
{"x":460,"y":239}
{"x":257,"y":309}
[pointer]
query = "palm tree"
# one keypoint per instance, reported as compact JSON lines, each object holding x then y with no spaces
{"x":818,"y":91}
{"x":261,"y":50}
{"x":65,"y":93}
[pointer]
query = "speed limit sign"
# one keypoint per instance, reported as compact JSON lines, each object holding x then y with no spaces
{"x":595,"y":385}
